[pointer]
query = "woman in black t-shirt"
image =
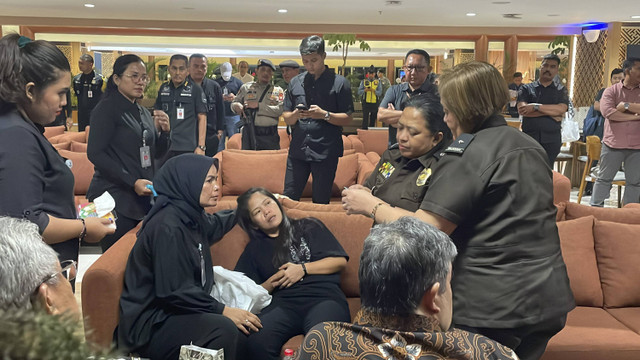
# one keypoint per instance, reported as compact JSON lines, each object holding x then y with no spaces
{"x":123,"y":142}
{"x":299,"y":262}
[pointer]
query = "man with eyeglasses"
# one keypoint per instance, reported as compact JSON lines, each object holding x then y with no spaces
{"x":30,"y":274}
{"x":215,"y":106}
{"x":260,"y":104}
{"x":88,"y":87}
{"x":417,"y":69}
{"x":184,"y":102}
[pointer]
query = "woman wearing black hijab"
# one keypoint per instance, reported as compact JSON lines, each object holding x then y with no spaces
{"x":166,"y":301}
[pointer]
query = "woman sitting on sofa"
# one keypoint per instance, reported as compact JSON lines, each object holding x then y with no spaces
{"x":402,"y":176}
{"x":299,"y":262}
{"x":166,"y":301}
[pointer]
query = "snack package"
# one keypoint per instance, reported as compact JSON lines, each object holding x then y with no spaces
{"x":102,"y":206}
{"x":192,"y":352}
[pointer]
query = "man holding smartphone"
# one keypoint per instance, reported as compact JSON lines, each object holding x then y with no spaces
{"x":318,"y":103}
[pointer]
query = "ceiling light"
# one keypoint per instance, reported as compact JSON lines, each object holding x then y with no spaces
{"x":89,"y":5}
{"x":282,"y":11}
{"x":553,"y":15}
{"x":471,"y":14}
{"x":501,"y":2}
{"x":393,"y":3}
{"x":635,"y":17}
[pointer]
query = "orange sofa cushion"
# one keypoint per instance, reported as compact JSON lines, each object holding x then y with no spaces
{"x":241,"y":170}
{"x":51,"y":131}
{"x":82,"y":170}
{"x":358,"y":228}
{"x":66,"y":145}
{"x":374,"y":140}
{"x":618,"y":249}
{"x":77,"y":146}
{"x":576,"y":241}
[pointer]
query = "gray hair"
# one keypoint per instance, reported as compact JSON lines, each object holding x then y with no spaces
{"x":25,"y":261}
{"x":401,"y":261}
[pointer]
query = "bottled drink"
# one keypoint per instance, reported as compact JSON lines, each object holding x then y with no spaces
{"x":288,"y":354}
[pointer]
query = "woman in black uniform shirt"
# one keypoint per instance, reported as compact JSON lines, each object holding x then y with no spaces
{"x":399,"y":183}
{"x":299,"y":262}
{"x":493,"y":192}
{"x":166,"y":301}
{"x":35,"y":182}
{"x":123,"y":143}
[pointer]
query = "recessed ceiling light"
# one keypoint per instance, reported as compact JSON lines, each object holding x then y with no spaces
{"x":501,"y":2}
{"x":635,"y":17}
{"x":471,"y":14}
{"x":553,"y":15}
{"x":89,"y":5}
{"x":393,"y":3}
{"x":188,"y":8}
{"x":282,"y":11}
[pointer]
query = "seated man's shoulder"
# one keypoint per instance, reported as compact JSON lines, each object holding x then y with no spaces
{"x":476,"y":346}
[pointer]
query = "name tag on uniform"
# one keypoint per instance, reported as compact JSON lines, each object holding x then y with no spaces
{"x":145,"y":157}
{"x":180,"y":113}
{"x":89,"y":94}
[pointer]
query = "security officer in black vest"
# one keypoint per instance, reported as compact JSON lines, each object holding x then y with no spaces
{"x":185,"y":104}
{"x":88,"y":87}
{"x":215,"y":105}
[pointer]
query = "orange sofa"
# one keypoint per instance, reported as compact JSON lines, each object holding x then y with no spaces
{"x":240,"y":170}
{"x":601,"y":247}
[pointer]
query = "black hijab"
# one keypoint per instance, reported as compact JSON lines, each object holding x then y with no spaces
{"x":179,"y":183}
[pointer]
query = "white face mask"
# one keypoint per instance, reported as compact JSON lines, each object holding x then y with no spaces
{"x":226,"y":78}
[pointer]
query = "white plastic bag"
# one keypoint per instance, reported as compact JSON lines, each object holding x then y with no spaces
{"x":570,"y":130}
{"x":235,"y":289}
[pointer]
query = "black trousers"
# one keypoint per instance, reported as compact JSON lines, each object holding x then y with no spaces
{"x":324,"y":172}
{"x":123,"y":225}
{"x":551,"y":143}
{"x":529,"y":342}
{"x":210,"y":331}
{"x":369,"y":114}
{"x":280,"y":322}
{"x":211,"y":142}
{"x":83,"y":119}
{"x":267,"y":138}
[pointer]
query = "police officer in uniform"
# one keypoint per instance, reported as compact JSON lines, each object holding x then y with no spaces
{"x":318,"y":103}
{"x":402,"y":176}
{"x":289,"y":69}
{"x":370,"y":92}
{"x":215,"y":106}
{"x":185,"y":104}
{"x":260,"y":103}
{"x":88,"y":87}
{"x":509,"y":280}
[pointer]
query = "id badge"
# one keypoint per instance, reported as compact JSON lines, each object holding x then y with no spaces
{"x":145,"y":157}
{"x":180,"y":113}
{"x":89,"y":94}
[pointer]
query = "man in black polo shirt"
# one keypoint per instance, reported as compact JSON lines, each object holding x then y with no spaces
{"x":542,"y":104}
{"x":417,"y":69}
{"x":215,"y":106}
{"x":185,"y":104}
{"x":318,"y":103}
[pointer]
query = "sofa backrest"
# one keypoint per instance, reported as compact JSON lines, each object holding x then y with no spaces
{"x":376,"y":140}
{"x":626,"y":215}
{"x":81,"y":168}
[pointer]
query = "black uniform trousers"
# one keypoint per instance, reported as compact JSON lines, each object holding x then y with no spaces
{"x":123,"y":225}
{"x":280,"y":322}
{"x":369,"y":114}
{"x":267,"y":138}
{"x":297,"y":174}
{"x":550,"y":144}
{"x":84,"y":116}
{"x":529,"y":342}
{"x":210,"y":331}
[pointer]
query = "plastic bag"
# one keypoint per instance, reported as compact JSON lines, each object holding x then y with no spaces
{"x":237,"y":290}
{"x":570,"y":130}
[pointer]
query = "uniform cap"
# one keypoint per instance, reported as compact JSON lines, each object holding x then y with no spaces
{"x":289,"y":63}
{"x":266,"y":62}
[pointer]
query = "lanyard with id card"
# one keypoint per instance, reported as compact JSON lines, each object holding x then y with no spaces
{"x":145,"y":151}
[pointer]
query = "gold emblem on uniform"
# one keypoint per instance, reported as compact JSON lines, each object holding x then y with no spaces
{"x":423,"y":177}
{"x":387,"y":169}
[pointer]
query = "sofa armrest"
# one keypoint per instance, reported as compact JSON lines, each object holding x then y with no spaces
{"x":365,"y":168}
{"x":561,"y":188}
{"x":101,"y":290}
{"x":235,"y":142}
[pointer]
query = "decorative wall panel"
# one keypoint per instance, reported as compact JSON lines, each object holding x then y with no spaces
{"x":630,"y":35}
{"x":589,"y":70}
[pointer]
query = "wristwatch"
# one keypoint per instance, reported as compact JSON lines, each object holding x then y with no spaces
{"x":202,"y":147}
{"x":327,"y":116}
{"x":626,"y":106}
{"x":536,"y":107}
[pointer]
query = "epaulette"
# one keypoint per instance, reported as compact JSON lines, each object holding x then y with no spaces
{"x":394,"y":146}
{"x":459,"y":145}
